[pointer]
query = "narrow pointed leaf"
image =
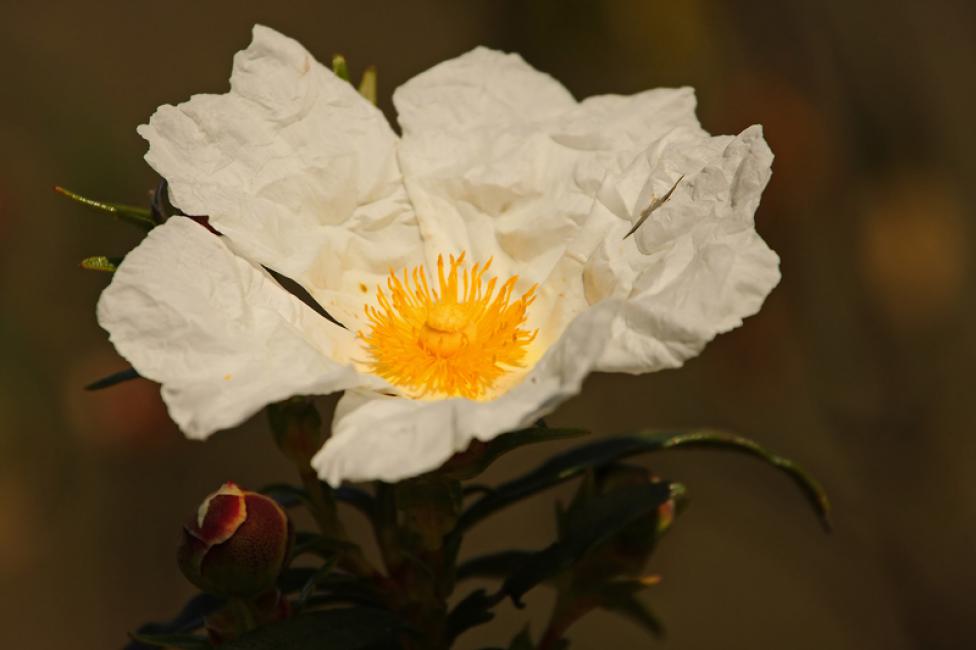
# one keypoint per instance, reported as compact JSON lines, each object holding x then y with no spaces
{"x":137,"y":216}
{"x":574,"y":462}
{"x":473,"y":610}
{"x":367,"y":85}
{"x":285,"y":495}
{"x":313,"y":582}
{"x":595,"y":522}
{"x":359,"y":499}
{"x":491,"y":565}
{"x":460,"y":467}
{"x":622,"y":599}
{"x":323,"y":547}
{"x":113,"y":379}
{"x":339,"y":67}
{"x":189,"y":619}
{"x":522,"y":641}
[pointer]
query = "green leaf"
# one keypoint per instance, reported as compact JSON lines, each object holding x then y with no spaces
{"x":287,"y":496}
{"x":359,"y":499}
{"x":319,"y":545}
{"x":595,"y":521}
{"x":113,"y":379}
{"x":621,"y":598}
{"x":491,"y":565}
{"x":313,"y":582}
{"x":101,"y":263}
{"x":339,"y":67}
{"x":522,"y":641}
{"x":353,"y":628}
{"x":190,"y":618}
{"x":182,"y":641}
{"x":367,"y":85}
{"x":473,"y":610}
{"x":129,"y":213}
{"x":480,"y":456}
{"x":574,"y":462}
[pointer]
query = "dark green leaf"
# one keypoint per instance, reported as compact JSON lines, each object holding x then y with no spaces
{"x":113,"y":379}
{"x":359,"y":499}
{"x":286,"y":496}
{"x":315,"y":544}
{"x":492,"y":565}
{"x":474,"y":610}
{"x":354,"y":628}
{"x":595,"y":454}
{"x":522,"y":641}
{"x":182,"y":641}
{"x":622,"y":598}
{"x":313,"y":582}
{"x":594,"y":522}
{"x":293,"y":579}
{"x":189,"y":619}
{"x":129,"y":213}
{"x":463,"y":467}
{"x":328,"y":586}
{"x":101,"y":263}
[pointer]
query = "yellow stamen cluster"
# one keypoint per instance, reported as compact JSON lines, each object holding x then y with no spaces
{"x":456,"y":340}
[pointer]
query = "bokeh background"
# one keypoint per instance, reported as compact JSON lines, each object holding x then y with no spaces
{"x":860,"y":365}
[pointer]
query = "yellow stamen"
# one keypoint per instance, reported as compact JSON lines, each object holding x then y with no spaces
{"x":445,"y":341}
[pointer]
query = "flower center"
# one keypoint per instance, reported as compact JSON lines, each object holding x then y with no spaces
{"x":456,"y":340}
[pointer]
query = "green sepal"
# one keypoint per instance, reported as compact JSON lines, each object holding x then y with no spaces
{"x":101,"y":263}
{"x":596,"y":521}
{"x":137,"y":216}
{"x":113,"y":379}
{"x":339,"y":67}
{"x":181,"y":641}
{"x":570,"y":464}
{"x":367,"y":85}
{"x":351,"y":628}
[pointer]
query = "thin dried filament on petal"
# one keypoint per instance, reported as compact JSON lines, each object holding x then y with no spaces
{"x":455,"y":340}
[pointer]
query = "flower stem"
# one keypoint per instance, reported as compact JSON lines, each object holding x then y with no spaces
{"x":323,"y":509}
{"x":243,"y":616}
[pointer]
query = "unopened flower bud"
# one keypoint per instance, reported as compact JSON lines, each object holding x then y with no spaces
{"x":236,"y":544}
{"x":297,"y":428}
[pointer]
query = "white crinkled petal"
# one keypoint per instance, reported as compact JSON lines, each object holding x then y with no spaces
{"x":696,"y":266}
{"x":501,"y":162}
{"x":380,"y":437}
{"x":296,"y":169}
{"x":218,"y":333}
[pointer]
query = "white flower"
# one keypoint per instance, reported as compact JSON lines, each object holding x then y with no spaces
{"x":496,"y":162}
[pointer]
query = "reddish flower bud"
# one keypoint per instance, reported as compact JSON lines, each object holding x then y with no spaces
{"x":236,"y":544}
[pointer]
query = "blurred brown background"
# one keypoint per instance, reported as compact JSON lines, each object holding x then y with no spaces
{"x":860,"y":365}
